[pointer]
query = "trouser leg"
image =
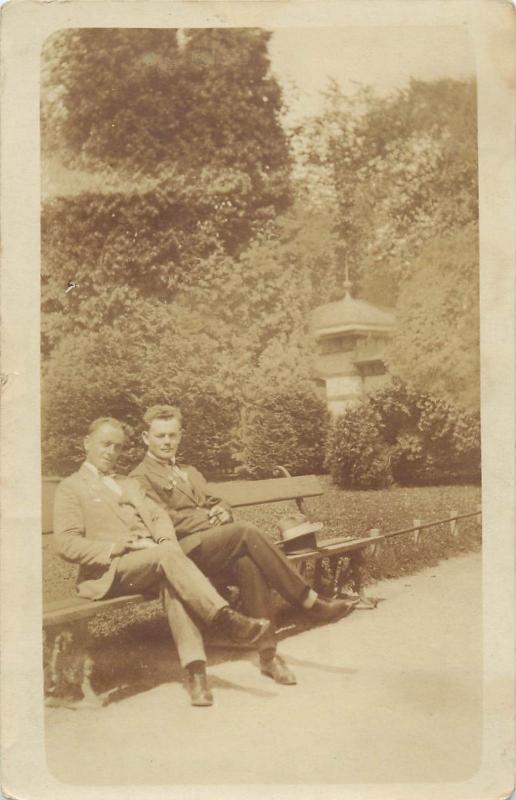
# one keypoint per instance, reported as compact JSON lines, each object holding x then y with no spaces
{"x":185,"y":632}
{"x":221,"y":547}
{"x":256,"y":597}
{"x":181,"y":584}
{"x":191,"y":585}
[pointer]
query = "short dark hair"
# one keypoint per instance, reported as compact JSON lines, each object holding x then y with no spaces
{"x":97,"y":423}
{"x":162,"y":412}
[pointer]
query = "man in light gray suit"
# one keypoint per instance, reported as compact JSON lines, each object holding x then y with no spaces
{"x":125,"y":543}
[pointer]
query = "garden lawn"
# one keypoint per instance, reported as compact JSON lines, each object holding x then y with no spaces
{"x":348,"y":513}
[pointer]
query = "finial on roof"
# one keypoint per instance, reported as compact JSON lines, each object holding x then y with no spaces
{"x":347,"y":283}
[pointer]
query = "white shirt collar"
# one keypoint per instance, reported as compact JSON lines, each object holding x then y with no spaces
{"x":92,"y":468}
{"x":96,"y":472}
{"x":107,"y":480}
{"x":171,"y":463}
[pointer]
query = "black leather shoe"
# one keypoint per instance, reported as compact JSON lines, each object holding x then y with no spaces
{"x":331,"y":610}
{"x":276,"y":669}
{"x":197,"y":685}
{"x":241,"y":629}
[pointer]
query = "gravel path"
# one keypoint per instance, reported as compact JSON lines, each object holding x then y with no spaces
{"x":390,"y":695}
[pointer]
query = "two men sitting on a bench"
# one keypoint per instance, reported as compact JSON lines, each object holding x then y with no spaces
{"x":160,"y":529}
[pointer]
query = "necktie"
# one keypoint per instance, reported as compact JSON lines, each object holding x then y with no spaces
{"x":176,"y":472}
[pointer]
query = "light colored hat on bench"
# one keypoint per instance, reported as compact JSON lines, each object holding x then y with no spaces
{"x":298,"y":533}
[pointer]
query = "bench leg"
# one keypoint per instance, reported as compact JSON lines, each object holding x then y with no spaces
{"x":324,"y":578}
{"x":68,"y":668}
{"x":355,"y":574}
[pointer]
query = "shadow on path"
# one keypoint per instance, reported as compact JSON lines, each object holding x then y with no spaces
{"x":301,"y":662}
{"x":142,"y":656}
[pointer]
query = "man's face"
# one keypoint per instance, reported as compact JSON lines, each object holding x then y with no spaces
{"x":103,"y":447}
{"x":163,"y":438}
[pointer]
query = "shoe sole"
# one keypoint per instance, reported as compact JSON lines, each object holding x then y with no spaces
{"x":205,"y":700}
{"x":335,"y":618}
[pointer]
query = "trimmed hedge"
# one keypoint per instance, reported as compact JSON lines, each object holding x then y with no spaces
{"x":356,"y":454}
{"x":112,"y":374}
{"x":286,"y":426}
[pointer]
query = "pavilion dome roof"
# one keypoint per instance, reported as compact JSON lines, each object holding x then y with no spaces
{"x":351,"y":314}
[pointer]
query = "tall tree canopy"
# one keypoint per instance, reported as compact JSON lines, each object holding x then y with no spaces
{"x":137,"y":98}
{"x":437,"y":346}
{"x":404,"y":171}
{"x":169,"y":198}
{"x":171,"y":151}
{"x":404,"y":174}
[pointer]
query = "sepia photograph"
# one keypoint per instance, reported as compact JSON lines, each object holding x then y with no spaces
{"x":262,"y":538}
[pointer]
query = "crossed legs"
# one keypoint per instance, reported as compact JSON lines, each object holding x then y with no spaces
{"x":187,"y":595}
{"x":257,"y":564}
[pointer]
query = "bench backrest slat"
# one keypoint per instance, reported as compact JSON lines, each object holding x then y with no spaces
{"x":236,"y":493}
{"x":250,"y":493}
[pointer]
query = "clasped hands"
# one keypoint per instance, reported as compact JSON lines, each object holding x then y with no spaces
{"x":132,"y":541}
{"x":219,"y":515}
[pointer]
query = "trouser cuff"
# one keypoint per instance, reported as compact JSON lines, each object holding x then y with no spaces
{"x":215,"y":610}
{"x":310,"y":599}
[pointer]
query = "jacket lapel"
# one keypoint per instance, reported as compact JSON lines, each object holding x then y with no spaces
{"x":196,"y":492}
{"x":162,"y":476}
{"x":143,"y":511}
{"x":98,"y":488}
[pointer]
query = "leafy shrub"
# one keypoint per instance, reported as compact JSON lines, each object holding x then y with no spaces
{"x":401,"y":434}
{"x":432,"y":440}
{"x":115,"y":373}
{"x":286,"y":426}
{"x":356,"y":454}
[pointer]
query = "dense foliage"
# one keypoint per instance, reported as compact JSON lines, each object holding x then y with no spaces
{"x":169,"y":199}
{"x":157,"y":239}
{"x":401,"y":434}
{"x":431,"y":441}
{"x":119,"y":373}
{"x":403,"y":170}
{"x":171,"y":153}
{"x":286,"y":426}
{"x":437,"y":345}
{"x":356,"y":454}
{"x":137,"y":98}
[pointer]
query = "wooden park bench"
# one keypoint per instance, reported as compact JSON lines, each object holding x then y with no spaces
{"x":334,"y":568}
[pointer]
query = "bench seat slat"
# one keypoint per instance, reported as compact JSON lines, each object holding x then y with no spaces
{"x":75,"y":608}
{"x":250,"y":493}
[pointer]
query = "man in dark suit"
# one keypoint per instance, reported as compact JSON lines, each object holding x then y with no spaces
{"x":220,"y":546}
{"x":125,"y":543}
